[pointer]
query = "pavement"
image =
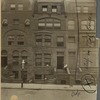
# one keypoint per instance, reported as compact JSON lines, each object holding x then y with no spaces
{"x":45,"y":86}
{"x":13,"y":91}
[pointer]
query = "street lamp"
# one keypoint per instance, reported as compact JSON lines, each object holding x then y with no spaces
{"x":23,"y":63}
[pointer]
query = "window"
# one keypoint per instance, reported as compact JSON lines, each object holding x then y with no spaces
{"x":60,"y":41}
{"x":39,"y":40}
{"x":20,"y":7}
{"x":43,"y":40}
{"x":16,"y":21}
{"x":4,"y":58}
{"x":57,"y":25}
{"x":38,"y":59}
{"x":49,"y":23}
{"x":47,"y":59}
{"x":41,"y":25}
{"x":78,"y":9}
{"x":15,"y":74}
{"x":54,"y":9}
{"x":15,"y":57}
{"x":12,"y":6}
{"x":20,"y":43}
{"x":88,"y":40}
{"x":37,"y":76}
{"x":20,"y":39}
{"x":71,"y":25}
{"x":83,"y":25}
{"x":43,"y":59}
{"x":71,"y":39}
{"x":85,"y":9}
{"x":47,"y":40}
{"x":11,"y":39}
{"x":87,"y":25}
{"x":44,"y":8}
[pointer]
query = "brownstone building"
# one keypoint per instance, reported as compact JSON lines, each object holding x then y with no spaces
{"x":49,"y":35}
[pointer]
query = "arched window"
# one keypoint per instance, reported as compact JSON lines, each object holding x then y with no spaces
{"x":4,"y":58}
{"x":49,"y":23}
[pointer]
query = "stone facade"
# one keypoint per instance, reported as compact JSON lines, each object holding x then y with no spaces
{"x":48,"y":36}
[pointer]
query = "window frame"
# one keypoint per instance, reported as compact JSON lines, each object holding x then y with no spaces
{"x":20,"y":6}
{"x":71,"y":24}
{"x":44,"y":8}
{"x":12,"y":6}
{"x":61,"y":42}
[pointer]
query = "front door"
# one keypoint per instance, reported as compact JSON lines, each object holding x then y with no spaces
{"x":60,"y":62}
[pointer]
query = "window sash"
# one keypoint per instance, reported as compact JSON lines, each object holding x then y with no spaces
{"x":41,"y":24}
{"x":49,"y":25}
{"x":44,"y":8}
{"x":20,"y":6}
{"x":54,"y":10}
{"x":60,"y":39}
{"x":12,"y":6}
{"x":85,"y":9}
{"x":78,"y":9}
{"x":57,"y":25}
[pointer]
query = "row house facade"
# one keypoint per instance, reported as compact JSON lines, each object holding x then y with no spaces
{"x":49,"y":36}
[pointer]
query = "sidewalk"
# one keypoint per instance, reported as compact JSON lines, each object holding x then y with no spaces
{"x":44,"y":86}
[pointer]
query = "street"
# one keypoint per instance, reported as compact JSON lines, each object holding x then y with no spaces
{"x":45,"y":94}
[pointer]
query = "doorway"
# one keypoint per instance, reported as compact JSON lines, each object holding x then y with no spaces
{"x":60,"y":62}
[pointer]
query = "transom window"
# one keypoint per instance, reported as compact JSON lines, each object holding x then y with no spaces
{"x":49,"y":23}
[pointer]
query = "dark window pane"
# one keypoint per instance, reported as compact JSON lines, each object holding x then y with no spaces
{"x":20,"y":43}
{"x":3,"y":61}
{"x":60,"y":44}
{"x":38,"y":76}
